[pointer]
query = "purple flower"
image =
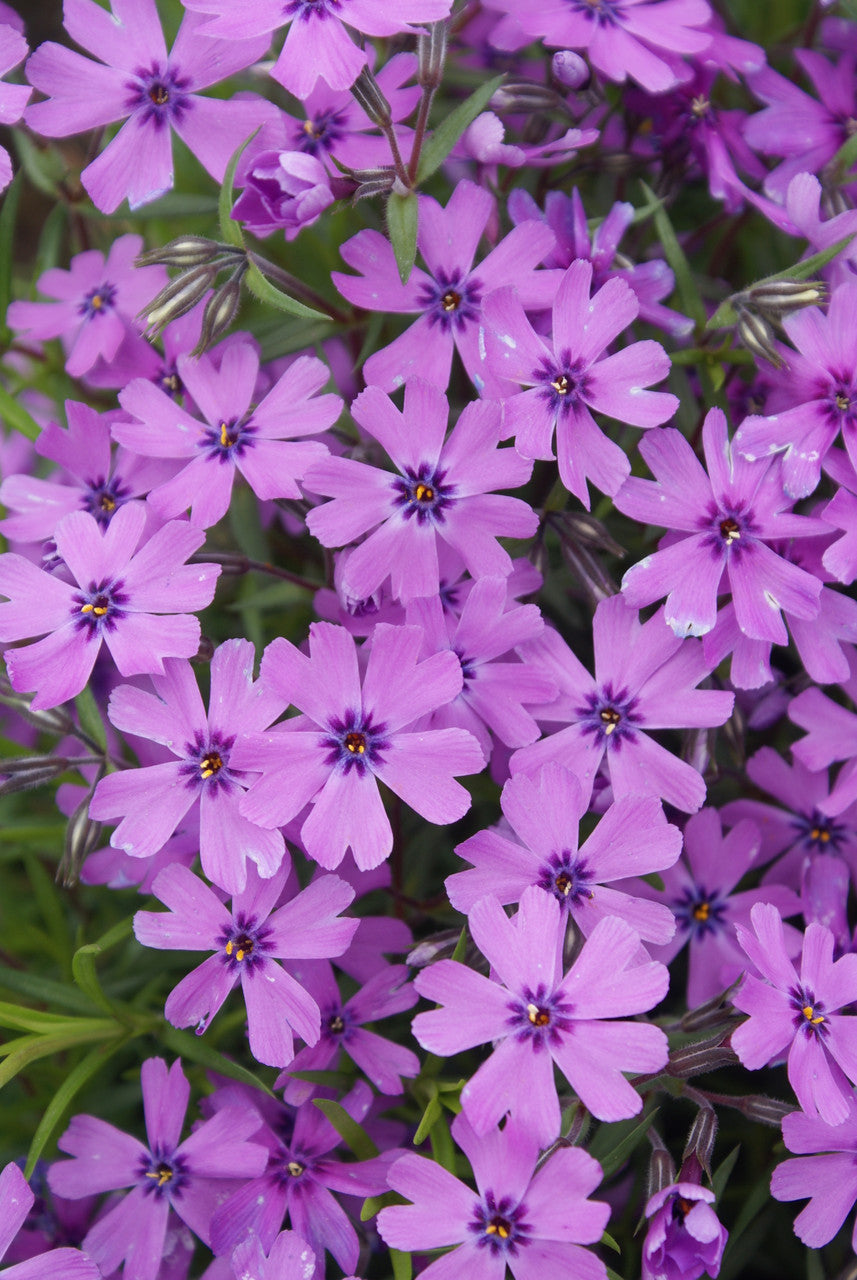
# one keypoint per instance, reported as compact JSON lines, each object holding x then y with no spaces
{"x":247,"y":940}
{"x":289,"y":1258}
{"x":136,"y":80}
{"x":831,"y":735}
{"x":263,"y":444}
{"x":828,"y":1181}
{"x":533,"y":1221}
{"x":442,"y":491}
{"x":119,"y":596}
{"x":730,"y":516}
{"x":164,"y":1173}
{"x":351,"y":737}
{"x":450,"y":295}
{"x":645,"y":678}
{"x":152,"y":801}
{"x":569,"y":378}
{"x":283,"y":191}
{"x":317,"y":45}
{"x":16,"y":1200}
{"x":97,"y":302}
{"x":799,"y":1015}
{"x":536,"y":1017}
{"x":685,"y":1238}
{"x":13,"y":97}
{"x":544,"y":810}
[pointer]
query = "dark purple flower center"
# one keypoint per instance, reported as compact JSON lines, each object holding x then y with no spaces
{"x":610,"y":714}
{"x":809,"y":1013}
{"x":422,"y":494}
{"x":100,"y":607}
{"x":819,"y":832}
{"x":291,"y":1168}
{"x":163,"y":1174}
{"x":842,"y":402}
{"x":206,"y":762}
{"x":540,"y":1016}
{"x":245,"y":944}
{"x":567,"y":879}
{"x":468,"y":666}
{"x":732,"y":528}
{"x":336,"y":1023}
{"x":158,"y":95}
{"x":321,"y":132}
{"x":101,"y":498}
{"x":355,"y":742}
{"x":499,"y":1224}
{"x":226,"y":441}
{"x":603,"y":13}
{"x":98,"y":301}
{"x":169,"y":381}
{"x":308,"y":9}
{"x":451,"y":300}
{"x":562,"y":382}
{"x":699,"y":912}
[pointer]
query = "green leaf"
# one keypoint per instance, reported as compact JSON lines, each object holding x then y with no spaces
{"x":460,"y":946}
{"x":430,"y":1116}
{"x":721,"y":1174}
{"x":15,"y":416}
{"x":83,"y":962}
{"x":191,"y":1046}
{"x":611,"y":1148}
{"x":62,"y":1099}
{"x":262,"y":288}
{"x":374,"y":1204}
{"x":402,"y":1264}
{"x":89,"y":717}
{"x":814,"y":1267}
{"x":691,"y":302}
{"x":230,"y":232}
{"x":654,"y":880}
{"x":846,"y":157}
{"x":607,"y":1239}
{"x":445,"y":136}
{"x":18,"y":1017}
{"x":8,"y":214}
{"x":611,"y":1274}
{"x":22,"y":1052}
{"x":53,"y":230}
{"x":402,"y":218}
{"x":352,"y":1134}
{"x":442,"y":1145}
{"x":725,"y":316}
{"x":44,"y":990}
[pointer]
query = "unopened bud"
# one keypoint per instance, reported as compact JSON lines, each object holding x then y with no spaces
{"x":367,"y":93}
{"x":22,"y":773}
{"x":526,"y":96}
{"x":437,"y":947}
{"x":696,"y":1059}
{"x":661,"y":1172}
{"x":178,"y":298}
{"x":82,"y":837}
{"x":431,"y":54}
{"x":220,"y":311}
{"x":700,"y":1140}
{"x":374,"y":183}
{"x":716,"y":1012}
{"x":765,"y":1110}
{"x":186,"y":251}
{"x":779,"y":297}
{"x":570,"y":70}
{"x":53,"y":720}
{"x":757,"y":336}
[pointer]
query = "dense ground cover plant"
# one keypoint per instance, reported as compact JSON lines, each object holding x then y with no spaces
{"x":428,"y":633}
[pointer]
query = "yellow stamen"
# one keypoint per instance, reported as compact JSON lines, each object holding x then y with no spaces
{"x":163,"y":1175}
{"x":424,"y":493}
{"x":560,"y":385}
{"x":610,"y":718}
{"x":451,"y":300}
{"x":96,"y":302}
{"x":224,"y":436}
{"x":811,"y":1016}
{"x":538,"y":1017}
{"x":701,"y":911}
{"x":294,"y":1168}
{"x":730,"y":531}
{"x":229,"y":948}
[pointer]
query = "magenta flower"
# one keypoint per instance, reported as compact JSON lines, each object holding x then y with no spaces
{"x":799,"y":1015}
{"x":730,"y":515}
{"x":685,"y":1238}
{"x":544,"y":810}
{"x":536,"y":1017}
{"x":283,"y":191}
{"x":645,"y":678}
{"x":825,"y":1173}
{"x":317,"y":45}
{"x":97,"y":303}
{"x":532,"y":1220}
{"x":16,"y":1201}
{"x":443,"y":491}
{"x":569,"y":378}
{"x":247,"y":940}
{"x":289,"y":1258}
{"x":131,"y":600}
{"x":352,"y":735}
{"x":263,"y":444}
{"x":151,"y":802}
{"x":136,"y":80}
{"x":831,"y":735}
{"x":450,"y":294}
{"x":13,"y":97}
{"x":164,"y":1173}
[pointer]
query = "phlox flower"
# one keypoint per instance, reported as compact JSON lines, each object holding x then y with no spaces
{"x":441,"y":491}
{"x":645,"y":678}
{"x":450,"y":294}
{"x":353,"y":734}
{"x":120,"y":596}
{"x":532,"y":1220}
{"x":96,"y":305}
{"x":730,"y":516}
{"x":283,"y":191}
{"x":317,"y":44}
{"x":544,"y":811}
{"x":799,"y":1015}
{"x":825,"y":1173}
{"x":16,"y":1201}
{"x":13,"y":97}
{"x":289,"y":1258}
{"x":570,"y":376}
{"x":685,"y":1238}
{"x":163,"y":1173}
{"x":247,"y":939}
{"x":136,"y":80}
{"x":535,"y":1016}
{"x":831,"y":735}
{"x":150,"y":802}
{"x":263,"y":444}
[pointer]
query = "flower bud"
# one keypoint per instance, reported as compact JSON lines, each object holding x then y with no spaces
{"x":82,"y":836}
{"x":757,"y":336}
{"x":700,"y":1143}
{"x":178,"y":298}
{"x":367,"y":93}
{"x":765,"y":1110}
{"x":186,"y":251}
{"x":570,"y":70}
{"x":779,"y":297}
{"x":437,"y":947}
{"x":220,"y":311}
{"x":526,"y":96}
{"x":696,"y":1059}
{"x":661,"y":1171}
{"x":54,"y":720}
{"x":431,"y":54}
{"x":22,"y":773}
{"x":375,"y":182}
{"x":716,"y":1012}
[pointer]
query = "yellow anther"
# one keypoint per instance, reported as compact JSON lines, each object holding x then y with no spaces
{"x":701,"y":911}
{"x":99,"y":610}
{"x":224,"y":436}
{"x":230,"y":946}
{"x":842,"y":402}
{"x":498,"y":1227}
{"x":163,"y":1174}
{"x":730,"y":531}
{"x":294,"y":1168}
{"x":424,"y":493}
{"x":451,"y":300}
{"x":560,"y":385}
{"x":538,"y":1017}
{"x":563,"y":884}
{"x":811,"y":1016}
{"x":86,"y":608}
{"x":818,"y":833}
{"x":96,"y":302}
{"x":610,"y":719}
{"x":239,"y":955}
{"x":356,"y":743}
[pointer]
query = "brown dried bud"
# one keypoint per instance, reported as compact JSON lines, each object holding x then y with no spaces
{"x":438,"y":947}
{"x":527,"y":96}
